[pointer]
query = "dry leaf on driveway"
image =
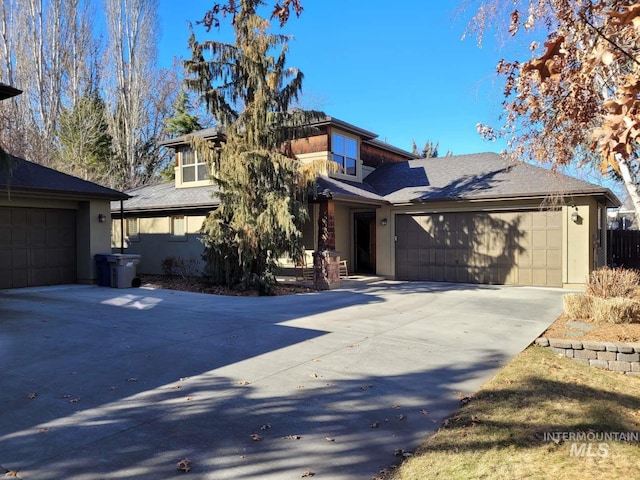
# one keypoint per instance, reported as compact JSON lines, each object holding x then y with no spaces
{"x":255,"y":437}
{"x":307,"y":473}
{"x":32,"y":395}
{"x":184,"y":465}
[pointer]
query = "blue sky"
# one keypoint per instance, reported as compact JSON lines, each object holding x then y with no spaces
{"x":402,"y":73}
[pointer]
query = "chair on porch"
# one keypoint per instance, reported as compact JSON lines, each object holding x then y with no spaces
{"x":344,"y":271}
{"x":304,"y":267}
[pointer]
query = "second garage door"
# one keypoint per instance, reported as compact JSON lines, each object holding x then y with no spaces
{"x":37,"y":247}
{"x":509,"y":248}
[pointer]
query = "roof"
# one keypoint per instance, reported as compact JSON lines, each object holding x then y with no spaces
{"x":206,"y":133}
{"x":28,"y":177}
{"x":7,"y":91}
{"x":367,"y":136}
{"x":165,"y":196}
{"x":481,"y":176}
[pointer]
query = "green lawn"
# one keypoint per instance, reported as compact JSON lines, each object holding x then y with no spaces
{"x":503,"y":433}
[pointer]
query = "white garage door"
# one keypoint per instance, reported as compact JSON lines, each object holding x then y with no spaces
{"x":37,"y":247}
{"x":507,"y":248}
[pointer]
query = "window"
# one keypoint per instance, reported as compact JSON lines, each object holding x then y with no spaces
{"x":131,"y":228}
{"x":178,"y":226}
{"x":193,"y":170}
{"x":344,"y":151}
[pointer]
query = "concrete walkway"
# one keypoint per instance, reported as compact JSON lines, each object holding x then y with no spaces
{"x":101,"y":383}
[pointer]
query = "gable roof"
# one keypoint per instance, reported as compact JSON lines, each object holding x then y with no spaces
{"x":481,"y":176}
{"x":28,"y":177}
{"x":165,"y":196}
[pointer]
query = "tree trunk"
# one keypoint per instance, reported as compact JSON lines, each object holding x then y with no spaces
{"x":629,"y":184}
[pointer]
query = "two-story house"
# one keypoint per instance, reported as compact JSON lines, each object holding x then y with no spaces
{"x":472,"y":218}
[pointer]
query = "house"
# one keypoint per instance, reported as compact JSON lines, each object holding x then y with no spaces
{"x":471,"y":218}
{"x":51,"y":223}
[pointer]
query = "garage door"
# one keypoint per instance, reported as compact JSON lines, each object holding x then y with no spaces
{"x":507,"y":248}
{"x":37,"y":247}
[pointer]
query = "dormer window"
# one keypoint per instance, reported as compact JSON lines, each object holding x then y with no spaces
{"x":193,"y":169}
{"x":344,"y":151}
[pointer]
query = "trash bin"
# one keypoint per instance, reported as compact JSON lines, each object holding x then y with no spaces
{"x":102,"y":269}
{"x":123,"y":269}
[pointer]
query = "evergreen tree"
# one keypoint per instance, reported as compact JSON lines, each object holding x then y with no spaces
{"x":249,"y":90}
{"x":430,"y":150}
{"x":183,"y":121}
{"x":85,"y":142}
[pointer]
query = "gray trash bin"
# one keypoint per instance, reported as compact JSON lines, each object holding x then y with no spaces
{"x":123,"y":269}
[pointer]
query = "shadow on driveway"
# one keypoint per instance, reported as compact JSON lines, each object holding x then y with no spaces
{"x":104,"y":383}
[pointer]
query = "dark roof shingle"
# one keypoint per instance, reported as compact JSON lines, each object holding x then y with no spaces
{"x":29,"y":177}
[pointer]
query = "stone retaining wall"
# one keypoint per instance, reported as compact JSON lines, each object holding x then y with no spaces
{"x":617,"y":357}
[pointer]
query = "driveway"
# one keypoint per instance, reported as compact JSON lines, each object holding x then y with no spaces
{"x":101,"y":383}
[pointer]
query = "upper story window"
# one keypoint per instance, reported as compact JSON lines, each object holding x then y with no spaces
{"x":344,"y":151}
{"x":193,"y":169}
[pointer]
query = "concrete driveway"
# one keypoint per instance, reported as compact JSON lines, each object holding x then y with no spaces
{"x":101,"y":383}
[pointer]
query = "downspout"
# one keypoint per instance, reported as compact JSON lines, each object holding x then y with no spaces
{"x":121,"y":226}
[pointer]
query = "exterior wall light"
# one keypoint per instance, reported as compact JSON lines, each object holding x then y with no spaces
{"x":102,"y":218}
{"x":383,"y":222}
{"x":575,"y":218}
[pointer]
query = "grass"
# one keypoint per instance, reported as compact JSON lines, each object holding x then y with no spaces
{"x":500,"y":434}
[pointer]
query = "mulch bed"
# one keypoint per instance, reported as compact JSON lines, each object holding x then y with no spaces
{"x":191,"y":284}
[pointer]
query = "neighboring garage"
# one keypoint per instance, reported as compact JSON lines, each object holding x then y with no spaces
{"x":51,"y":226}
{"x":510,"y":248}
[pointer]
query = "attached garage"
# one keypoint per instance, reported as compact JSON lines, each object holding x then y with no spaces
{"x":37,"y":247}
{"x":511,"y":248}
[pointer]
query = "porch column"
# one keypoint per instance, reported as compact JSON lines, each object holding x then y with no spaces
{"x":326,"y":261}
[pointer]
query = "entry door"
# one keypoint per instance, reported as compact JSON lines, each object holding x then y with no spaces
{"x":364,"y":242}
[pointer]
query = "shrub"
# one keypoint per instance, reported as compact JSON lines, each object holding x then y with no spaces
{"x":609,"y":282}
{"x":615,"y":310}
{"x":178,"y":266}
{"x":577,"y":305}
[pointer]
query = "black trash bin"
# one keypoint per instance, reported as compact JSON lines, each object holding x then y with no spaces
{"x":103,"y":269}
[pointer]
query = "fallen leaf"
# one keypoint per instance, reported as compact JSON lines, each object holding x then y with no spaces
{"x":182,"y":379}
{"x":74,"y":400}
{"x":255,"y":437}
{"x":395,"y":406}
{"x":401,"y":417}
{"x":43,"y":430}
{"x":375,"y":425}
{"x":266,"y":426}
{"x":189,"y":399}
{"x":365,"y":387}
{"x":424,"y":412}
{"x":307,"y":473}
{"x":313,"y":375}
{"x":11,"y":473}
{"x":32,"y":395}
{"x":293,"y":437}
{"x":184,"y":465}
{"x":65,"y":396}
{"x":330,"y":439}
{"x":132,"y":379}
{"x":243,"y":382}
{"x":113,"y":388}
{"x":300,"y":386}
{"x":399,"y":452}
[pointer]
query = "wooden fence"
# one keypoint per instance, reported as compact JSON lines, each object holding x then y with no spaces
{"x":623,"y":248}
